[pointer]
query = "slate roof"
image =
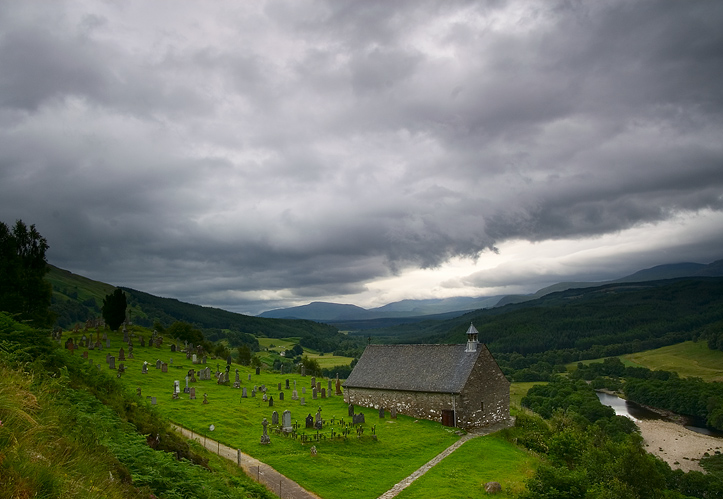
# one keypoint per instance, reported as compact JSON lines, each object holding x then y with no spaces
{"x":418,"y":368}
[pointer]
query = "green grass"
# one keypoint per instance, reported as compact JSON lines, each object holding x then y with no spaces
{"x":463,"y":473}
{"x":343,"y":468}
{"x":286,"y":343}
{"x":688,"y":359}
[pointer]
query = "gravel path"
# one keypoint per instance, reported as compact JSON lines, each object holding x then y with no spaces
{"x":262,"y":473}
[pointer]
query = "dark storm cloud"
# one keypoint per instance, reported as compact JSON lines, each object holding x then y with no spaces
{"x":279,"y":150}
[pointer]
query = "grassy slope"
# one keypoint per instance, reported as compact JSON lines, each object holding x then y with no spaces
{"x":463,"y":474}
{"x":325,"y":361}
{"x":343,"y":468}
{"x":688,"y":359}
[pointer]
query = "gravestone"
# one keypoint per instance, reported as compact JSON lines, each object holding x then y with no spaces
{"x":271,"y":401}
{"x":253,"y":392}
{"x":107,"y":343}
{"x":313,"y":381}
{"x":164,"y":368}
{"x":274,"y":418}
{"x":243,"y":393}
{"x":205,"y":398}
{"x":121,"y":355}
{"x":130,"y":352}
{"x":153,"y":400}
{"x":187,"y":389}
{"x":121,"y":369}
{"x":313,"y":393}
{"x":144,"y":368}
{"x":323,"y":393}
{"x":303,"y":390}
{"x":258,"y":370}
{"x":279,"y":387}
{"x":265,"y":440}
{"x":303,"y":401}
{"x":287,"y":384}
{"x":107,"y":358}
{"x":237,"y":384}
{"x":318,"y":386}
{"x":309,"y":421}
{"x":204,"y":359}
{"x":176,"y":387}
{"x":303,"y":370}
{"x":381,"y":413}
{"x":359,"y":418}
{"x":173,"y":348}
{"x":158,"y":364}
{"x":249,"y":378}
{"x":281,"y":395}
{"x":393,"y":412}
{"x":111,"y":363}
{"x":105,"y":336}
{"x":143,"y":342}
{"x":328,"y":388}
{"x":194,"y":359}
{"x":351,"y":410}
{"x":294,"y":395}
{"x":138,"y":391}
{"x":85,"y":354}
{"x":286,"y":422}
{"x":193,"y":393}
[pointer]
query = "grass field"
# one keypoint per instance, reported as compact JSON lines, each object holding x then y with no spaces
{"x":463,"y":474}
{"x":519,"y":390}
{"x":353,"y":467}
{"x":325,"y":361}
{"x":688,"y":359}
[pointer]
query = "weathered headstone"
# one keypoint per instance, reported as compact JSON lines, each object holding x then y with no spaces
{"x":318,"y":386}
{"x":158,"y":364}
{"x":294,"y":395}
{"x":205,"y":398}
{"x":173,"y":347}
{"x":193,"y":393}
{"x":281,"y":395}
{"x":271,"y":401}
{"x":287,"y":384}
{"x":309,"y":421}
{"x":359,"y":418}
{"x":237,"y":384}
{"x":493,"y":487}
{"x":111,"y":362}
{"x":253,"y":392}
{"x":85,"y":354}
{"x":274,"y":418}
{"x":279,"y":387}
{"x":286,"y":422}
{"x":130,"y":352}
{"x":258,"y":370}
{"x":381,"y":413}
{"x":303,"y":390}
{"x":176,"y":386}
{"x":313,"y":381}
{"x":107,"y":358}
{"x":265,"y":437}
{"x":194,"y":359}
{"x":144,"y":368}
{"x":303,"y":370}
{"x":107,"y":343}
{"x":313,"y":393}
{"x":164,"y":367}
{"x":302,"y":401}
{"x":121,"y":368}
{"x":122,"y":354}
{"x":243,"y":393}
{"x":138,"y":391}
{"x":323,"y":393}
{"x":249,"y":377}
{"x":153,"y":400}
{"x":143,"y":342}
{"x":328,"y":388}
{"x":186,"y":389}
{"x":393,"y":413}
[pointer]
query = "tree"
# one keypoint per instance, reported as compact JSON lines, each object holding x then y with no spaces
{"x":244,"y":355}
{"x":114,"y":309}
{"x":23,"y":288}
{"x":185,"y":332}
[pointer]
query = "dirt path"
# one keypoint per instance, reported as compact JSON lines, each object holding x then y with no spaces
{"x":262,"y":473}
{"x":438,"y":458}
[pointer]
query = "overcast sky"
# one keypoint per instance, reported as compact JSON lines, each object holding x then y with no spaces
{"x":254,"y":155}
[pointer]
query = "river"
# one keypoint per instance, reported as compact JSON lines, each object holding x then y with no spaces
{"x":636,"y":412}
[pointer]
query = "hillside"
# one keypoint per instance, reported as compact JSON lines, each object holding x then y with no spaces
{"x":77,"y":298}
{"x":583,"y":323}
{"x":657,"y":273}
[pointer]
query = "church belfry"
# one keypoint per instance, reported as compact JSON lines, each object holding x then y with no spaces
{"x":472,"y":339}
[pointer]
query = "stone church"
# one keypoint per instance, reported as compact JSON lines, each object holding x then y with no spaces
{"x":457,"y":385}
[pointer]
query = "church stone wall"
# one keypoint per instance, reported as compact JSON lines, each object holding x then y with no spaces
{"x":422,"y":405}
{"x":485,"y":398}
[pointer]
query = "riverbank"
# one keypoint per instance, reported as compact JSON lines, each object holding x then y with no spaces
{"x":678,"y":446}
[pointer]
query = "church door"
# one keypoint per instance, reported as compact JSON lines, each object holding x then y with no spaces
{"x":448,"y":418}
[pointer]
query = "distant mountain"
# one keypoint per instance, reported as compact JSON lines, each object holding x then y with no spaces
{"x":337,"y":312}
{"x":657,"y":273}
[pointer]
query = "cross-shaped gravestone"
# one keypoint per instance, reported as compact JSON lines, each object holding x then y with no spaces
{"x":265,"y":437}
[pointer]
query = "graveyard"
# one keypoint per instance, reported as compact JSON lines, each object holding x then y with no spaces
{"x":359,"y":455}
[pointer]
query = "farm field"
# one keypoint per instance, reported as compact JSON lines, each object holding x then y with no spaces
{"x":352,"y":467}
{"x":519,"y":390}
{"x":688,"y":359}
{"x":327,"y":360}
{"x":478,"y":461}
